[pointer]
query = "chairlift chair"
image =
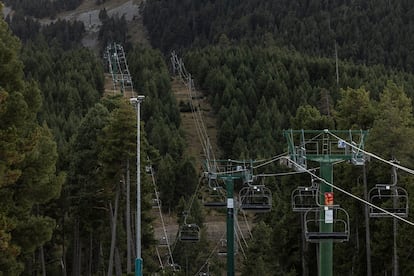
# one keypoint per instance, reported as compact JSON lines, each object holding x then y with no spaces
{"x":214,"y":197}
{"x":339,"y":221}
{"x":222,"y":247}
{"x":189,"y":233}
{"x":391,"y":198}
{"x":255,"y":198}
{"x":170,"y":265}
{"x":156,"y":203}
{"x":304,"y":198}
{"x":173,"y":267}
{"x":206,"y":271}
{"x":163,"y":241}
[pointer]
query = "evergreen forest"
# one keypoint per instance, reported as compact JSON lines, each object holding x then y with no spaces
{"x":68,"y":149}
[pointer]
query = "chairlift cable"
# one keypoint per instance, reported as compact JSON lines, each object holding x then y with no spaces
{"x":278,"y":157}
{"x":240,"y":245}
{"x":247,"y":223}
{"x":161,"y":216}
{"x":159,"y":258}
{"x":211,"y":254}
{"x":241,"y":233}
{"x":277,"y":174}
{"x":194,"y":195}
{"x":410,"y":171}
{"x":293,"y":173}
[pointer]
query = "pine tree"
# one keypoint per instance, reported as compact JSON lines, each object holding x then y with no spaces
{"x":28,"y":163}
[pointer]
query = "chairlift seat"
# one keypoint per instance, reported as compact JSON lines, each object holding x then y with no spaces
{"x":320,"y":236}
{"x":256,"y":207}
{"x":216,"y":204}
{"x":340,"y":226}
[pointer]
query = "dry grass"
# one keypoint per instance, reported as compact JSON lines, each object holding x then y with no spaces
{"x":194,"y":146}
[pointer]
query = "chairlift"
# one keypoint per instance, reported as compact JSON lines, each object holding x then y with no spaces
{"x":163,"y":241}
{"x":189,"y":233}
{"x":222,"y":248}
{"x":337,"y":217}
{"x":304,"y":198}
{"x":214,"y":197}
{"x":206,"y":272}
{"x":255,"y":198}
{"x":156,"y":203}
{"x":173,"y":267}
{"x":391,"y":198}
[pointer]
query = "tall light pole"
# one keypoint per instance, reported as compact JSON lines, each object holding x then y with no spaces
{"x":138,"y":261}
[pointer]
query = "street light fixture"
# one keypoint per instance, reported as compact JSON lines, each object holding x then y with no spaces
{"x":138,"y":261}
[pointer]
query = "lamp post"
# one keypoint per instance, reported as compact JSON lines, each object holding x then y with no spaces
{"x":138,"y":261}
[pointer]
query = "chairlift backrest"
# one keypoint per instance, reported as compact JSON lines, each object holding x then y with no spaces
{"x":304,"y":198}
{"x":163,"y":241}
{"x":222,"y":249}
{"x":189,"y":233}
{"x":256,"y":199}
{"x":214,"y":197}
{"x":156,"y":203}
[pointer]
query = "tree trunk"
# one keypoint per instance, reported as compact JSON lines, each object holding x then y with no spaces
{"x":42,"y":261}
{"x":113,"y":221}
{"x":76,"y":249}
{"x":90,"y":254}
{"x":118,"y":266}
{"x":63,"y":258}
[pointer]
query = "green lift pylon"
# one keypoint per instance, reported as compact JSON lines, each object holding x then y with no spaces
{"x":228,"y":173}
{"x":325,"y":147}
{"x":230,"y":225}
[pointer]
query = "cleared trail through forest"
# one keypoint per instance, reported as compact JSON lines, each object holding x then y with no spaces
{"x":215,"y":220}
{"x":194,"y":147}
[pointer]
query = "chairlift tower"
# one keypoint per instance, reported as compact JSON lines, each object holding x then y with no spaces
{"x":228,"y":171}
{"x":325,"y":147}
{"x":118,"y":68}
